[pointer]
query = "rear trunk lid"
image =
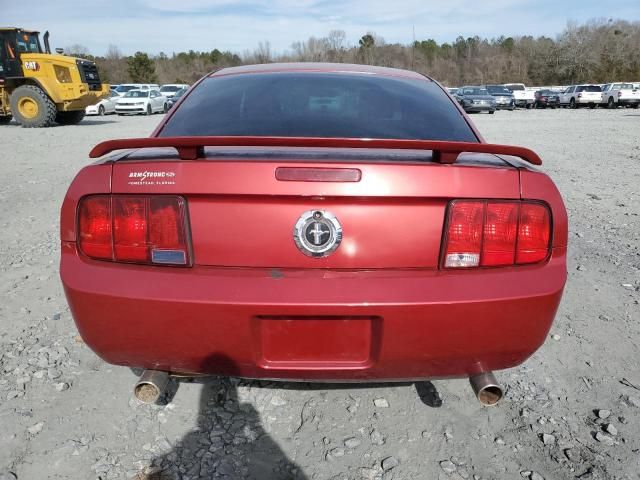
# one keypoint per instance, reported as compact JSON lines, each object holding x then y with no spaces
{"x":243,"y":210}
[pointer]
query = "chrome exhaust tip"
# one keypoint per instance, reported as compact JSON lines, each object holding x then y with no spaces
{"x":487,"y":389}
{"x":151,"y":386}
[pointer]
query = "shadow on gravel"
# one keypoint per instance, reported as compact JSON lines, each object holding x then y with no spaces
{"x":426,"y":390}
{"x":91,"y":122}
{"x":229,"y":441}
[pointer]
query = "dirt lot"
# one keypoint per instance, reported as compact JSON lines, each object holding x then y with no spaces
{"x":571,"y":411}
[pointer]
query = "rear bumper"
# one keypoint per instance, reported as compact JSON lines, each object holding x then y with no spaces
{"x":480,"y":108}
{"x":312,"y":324}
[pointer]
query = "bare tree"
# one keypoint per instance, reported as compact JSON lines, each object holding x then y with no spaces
{"x":262,"y":54}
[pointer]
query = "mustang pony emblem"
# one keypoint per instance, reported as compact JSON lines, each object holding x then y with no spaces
{"x":317,"y":233}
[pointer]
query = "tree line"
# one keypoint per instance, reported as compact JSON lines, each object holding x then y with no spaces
{"x":597,"y":51}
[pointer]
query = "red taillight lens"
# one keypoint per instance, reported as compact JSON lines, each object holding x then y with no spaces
{"x":485,"y":233}
{"x":464,"y":235}
{"x":500,"y":231}
{"x":94,"y":222}
{"x":130,"y":229}
{"x":534,"y":232}
{"x":137,"y":229}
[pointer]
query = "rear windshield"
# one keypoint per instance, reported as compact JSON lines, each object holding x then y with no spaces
{"x":136,"y":94}
{"x":338,"y":105}
{"x":170,"y":88}
{"x":498,"y":89}
{"x":180,"y":92}
{"x":588,"y":88}
{"x":515,"y":86}
{"x":474,"y":91}
{"x":125,"y":88}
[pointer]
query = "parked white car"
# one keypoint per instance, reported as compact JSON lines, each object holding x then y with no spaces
{"x":581,"y":95}
{"x":522,"y":96}
{"x":170,"y":89}
{"x":620,"y":94}
{"x":142,"y":101}
{"x":127,"y":87}
{"x":104,"y":106}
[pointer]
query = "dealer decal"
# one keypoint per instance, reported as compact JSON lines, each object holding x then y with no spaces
{"x":147,"y":177}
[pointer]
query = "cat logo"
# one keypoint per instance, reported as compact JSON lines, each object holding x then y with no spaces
{"x":31,"y":66}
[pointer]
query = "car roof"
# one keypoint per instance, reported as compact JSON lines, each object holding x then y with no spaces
{"x":320,"y":68}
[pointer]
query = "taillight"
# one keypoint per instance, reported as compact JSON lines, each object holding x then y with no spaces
{"x":493,"y":233}
{"x":150,"y":229}
{"x":95,"y":226}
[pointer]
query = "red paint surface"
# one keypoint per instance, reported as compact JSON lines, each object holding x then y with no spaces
{"x":431,"y":323}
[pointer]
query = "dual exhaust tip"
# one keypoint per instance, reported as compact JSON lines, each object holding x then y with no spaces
{"x":153,"y":383}
{"x":151,"y":386}
{"x":487,"y":389}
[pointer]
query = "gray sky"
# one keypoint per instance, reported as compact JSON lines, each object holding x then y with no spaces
{"x":179,"y":25}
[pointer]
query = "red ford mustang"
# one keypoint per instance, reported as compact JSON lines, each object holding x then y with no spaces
{"x":314,"y":222}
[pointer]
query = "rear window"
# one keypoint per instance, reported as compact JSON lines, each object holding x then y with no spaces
{"x":588,"y":88}
{"x":337,"y":105}
{"x":497,"y":89}
{"x":136,"y":94}
{"x":125,"y":88}
{"x":474,"y":91}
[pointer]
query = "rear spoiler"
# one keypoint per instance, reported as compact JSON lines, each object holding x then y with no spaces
{"x":191,"y":148}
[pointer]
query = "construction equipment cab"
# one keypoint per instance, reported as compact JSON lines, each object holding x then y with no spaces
{"x":38,"y":88}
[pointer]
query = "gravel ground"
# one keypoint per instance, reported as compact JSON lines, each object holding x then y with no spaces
{"x":571,"y":411}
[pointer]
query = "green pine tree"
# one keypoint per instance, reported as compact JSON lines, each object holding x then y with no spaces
{"x":141,"y":68}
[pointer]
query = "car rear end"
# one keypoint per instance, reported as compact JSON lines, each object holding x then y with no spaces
{"x":477,"y":105}
{"x":504,"y":102}
{"x":209,"y":257}
{"x":522,"y":97}
{"x":628,"y":95}
{"x":547,"y":98}
{"x":133,"y":102}
{"x":588,"y":95}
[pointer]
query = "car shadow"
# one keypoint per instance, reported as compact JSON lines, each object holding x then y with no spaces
{"x":426,"y":390}
{"x":228,"y":441}
{"x":87,"y":122}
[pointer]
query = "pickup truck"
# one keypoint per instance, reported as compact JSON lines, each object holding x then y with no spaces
{"x":616,"y":94}
{"x":581,"y":95}
{"x":522,"y":96}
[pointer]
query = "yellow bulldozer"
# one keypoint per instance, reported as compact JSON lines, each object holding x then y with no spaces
{"x":38,"y":88}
